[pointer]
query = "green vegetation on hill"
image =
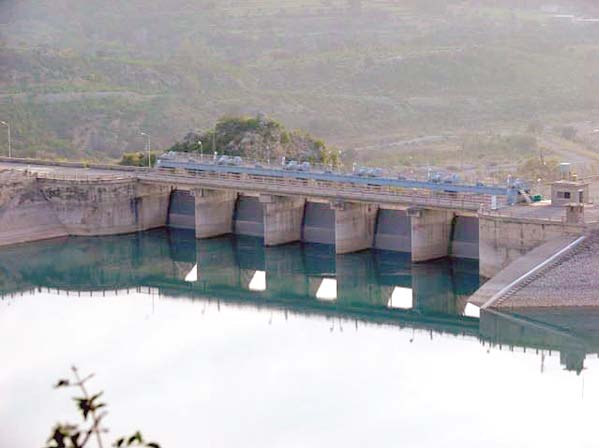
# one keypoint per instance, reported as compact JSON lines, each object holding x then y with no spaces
{"x":138,"y":159}
{"x":257,"y":138}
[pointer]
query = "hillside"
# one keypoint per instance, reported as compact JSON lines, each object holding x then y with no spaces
{"x":82,"y":78}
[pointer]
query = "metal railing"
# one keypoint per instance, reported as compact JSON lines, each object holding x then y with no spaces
{"x":400,"y":196}
{"x":325,"y":189}
{"x":517,"y":215}
{"x":83,"y":177}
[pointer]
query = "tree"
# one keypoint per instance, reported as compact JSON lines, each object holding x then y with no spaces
{"x":92,"y":410}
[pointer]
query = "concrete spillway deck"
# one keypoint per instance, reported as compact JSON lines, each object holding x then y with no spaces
{"x":562,"y":272}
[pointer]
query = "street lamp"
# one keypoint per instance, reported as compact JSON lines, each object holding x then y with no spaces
{"x":148,"y":144}
{"x":9,"y":143}
{"x":201,"y":149}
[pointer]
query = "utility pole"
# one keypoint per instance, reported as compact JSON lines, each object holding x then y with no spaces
{"x":9,"y":142}
{"x":149,"y":152}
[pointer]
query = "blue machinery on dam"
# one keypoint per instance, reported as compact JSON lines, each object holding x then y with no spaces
{"x":511,"y":193}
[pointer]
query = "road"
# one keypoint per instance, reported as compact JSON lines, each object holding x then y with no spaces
{"x":66,"y":172}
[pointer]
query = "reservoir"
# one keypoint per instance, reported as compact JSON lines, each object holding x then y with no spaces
{"x":224,"y":343}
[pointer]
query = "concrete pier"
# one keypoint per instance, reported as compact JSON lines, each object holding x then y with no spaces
{"x":282,"y":219}
{"x":354,"y":226}
{"x":152,"y":206}
{"x":214,"y":212}
{"x":431,"y":234}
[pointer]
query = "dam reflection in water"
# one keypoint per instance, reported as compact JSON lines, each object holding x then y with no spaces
{"x":240,"y":268}
{"x":371,"y":286}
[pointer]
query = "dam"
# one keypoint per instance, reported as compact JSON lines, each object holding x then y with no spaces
{"x":427,"y":220}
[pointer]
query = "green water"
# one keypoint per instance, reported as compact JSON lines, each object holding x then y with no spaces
{"x":225,"y":343}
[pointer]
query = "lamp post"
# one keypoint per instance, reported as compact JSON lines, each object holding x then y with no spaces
{"x":148,"y":144}
{"x":201,"y":149}
{"x":9,"y":142}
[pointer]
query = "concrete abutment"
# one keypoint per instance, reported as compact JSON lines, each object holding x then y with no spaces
{"x":504,"y":240}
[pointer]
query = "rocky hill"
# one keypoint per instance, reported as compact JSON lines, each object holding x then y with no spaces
{"x":257,"y":138}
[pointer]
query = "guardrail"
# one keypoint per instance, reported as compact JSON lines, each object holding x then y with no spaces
{"x":88,"y":178}
{"x":98,"y":166}
{"x":509,"y":212}
{"x":324,"y":189}
{"x":416,"y":197}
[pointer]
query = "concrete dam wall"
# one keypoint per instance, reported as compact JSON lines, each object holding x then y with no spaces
{"x":349,"y":227}
{"x":35,"y":208}
{"x":504,"y":240}
{"x":91,"y":208}
{"x":25,"y":214}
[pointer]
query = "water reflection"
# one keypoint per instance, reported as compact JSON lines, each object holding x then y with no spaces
{"x":373,"y":286}
{"x":240,"y":268}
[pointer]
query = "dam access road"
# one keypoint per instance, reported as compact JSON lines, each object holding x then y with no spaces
{"x":41,"y":200}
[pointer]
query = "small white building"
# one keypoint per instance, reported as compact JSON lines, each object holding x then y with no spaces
{"x":567,"y":192}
